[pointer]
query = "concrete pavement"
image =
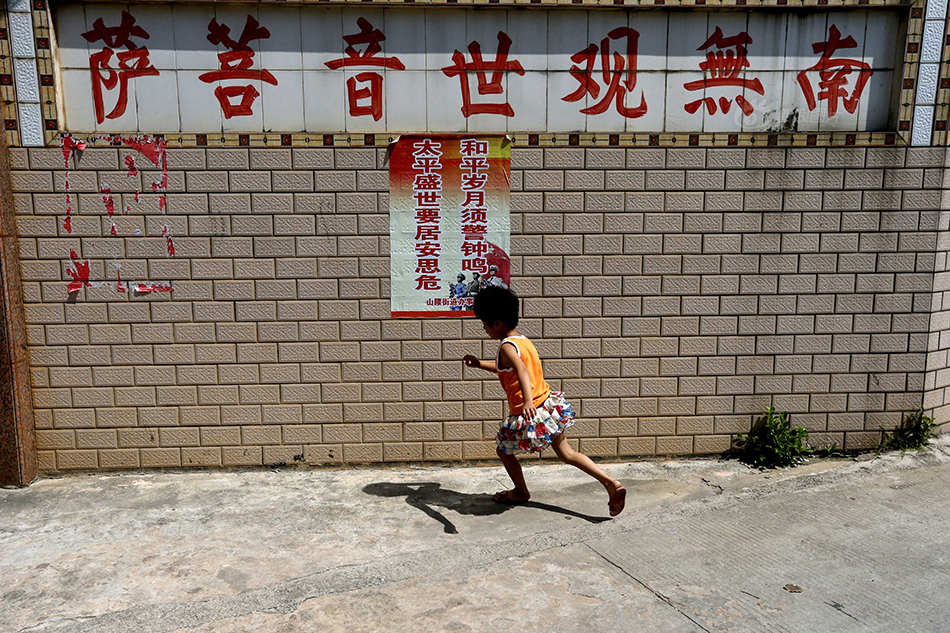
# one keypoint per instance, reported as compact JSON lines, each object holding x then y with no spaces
{"x":704,"y":545}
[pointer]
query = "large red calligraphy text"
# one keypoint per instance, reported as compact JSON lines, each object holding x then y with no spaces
{"x":619,"y":75}
{"x":834,"y":74}
{"x":374,"y":90}
{"x":482,"y":67}
{"x":132,"y":62}
{"x":724,"y":67}
{"x":236,"y":63}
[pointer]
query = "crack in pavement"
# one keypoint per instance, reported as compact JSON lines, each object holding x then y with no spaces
{"x":840,"y":608}
{"x":656,"y":593}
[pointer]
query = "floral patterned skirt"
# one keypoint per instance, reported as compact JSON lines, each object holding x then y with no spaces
{"x":518,"y":435}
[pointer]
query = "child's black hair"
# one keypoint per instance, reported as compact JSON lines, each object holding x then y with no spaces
{"x":496,"y":304}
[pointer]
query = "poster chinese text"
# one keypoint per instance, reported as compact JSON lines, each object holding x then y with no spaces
{"x":449,"y":222}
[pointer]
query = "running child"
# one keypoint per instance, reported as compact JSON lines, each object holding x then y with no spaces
{"x":533,"y":423}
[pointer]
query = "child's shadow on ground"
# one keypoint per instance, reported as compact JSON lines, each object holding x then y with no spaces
{"x":425,"y":495}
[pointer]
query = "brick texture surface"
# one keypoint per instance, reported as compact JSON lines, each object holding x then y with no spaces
{"x":675,"y":294}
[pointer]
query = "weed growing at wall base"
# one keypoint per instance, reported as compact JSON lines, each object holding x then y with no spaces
{"x":772,"y":442}
{"x":915,"y":431}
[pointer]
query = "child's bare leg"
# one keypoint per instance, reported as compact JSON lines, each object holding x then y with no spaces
{"x":513,"y":467}
{"x":579,"y":460}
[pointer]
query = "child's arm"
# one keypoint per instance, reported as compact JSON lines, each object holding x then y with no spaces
{"x":509,"y":354}
{"x":487,"y":365}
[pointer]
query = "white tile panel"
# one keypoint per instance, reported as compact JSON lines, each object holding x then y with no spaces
{"x":852,"y":24}
{"x":841,"y":120}
{"x":802,"y":34}
{"x":883,"y":31}
{"x":406,"y":37}
{"x":936,"y":9}
{"x":652,"y":43}
{"x":18,"y":5}
{"x":325,"y":102}
{"x":678,"y":119}
{"x":565,"y":116}
{"x":375,"y":18}
{"x":728,"y":116}
{"x":235,"y":17}
{"x":927,"y":75}
{"x":31,"y":124}
{"x":527,"y":95}
{"x":282,"y":104}
{"x":923,"y":125}
{"x":156,"y":102}
{"x":731,"y":24}
{"x":405,"y":92}
{"x":610,"y":119}
{"x":767,"y":114}
{"x":878,"y":107}
{"x":687,"y":32}
{"x":127,"y":120}
{"x":931,"y":42}
{"x":796,"y":115}
{"x":768,"y":32}
{"x":193,"y":51}
{"x":77,"y":93}
{"x":445,"y":33}
{"x":567,"y":36}
{"x":444,"y":103}
{"x":69,"y":25}
{"x":652,"y":86}
{"x":321,"y":36}
{"x":21,"y":34}
{"x":306,"y":38}
{"x":156,"y":20}
{"x":480,"y":120}
{"x":282,"y":50}
{"x":197,"y":105}
{"x":528,"y":31}
{"x":27,"y":80}
{"x":483,"y":27}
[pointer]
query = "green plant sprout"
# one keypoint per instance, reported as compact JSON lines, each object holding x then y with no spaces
{"x":772,"y":442}
{"x":913,"y":434}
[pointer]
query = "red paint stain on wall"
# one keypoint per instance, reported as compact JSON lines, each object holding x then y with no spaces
{"x":79,"y":271}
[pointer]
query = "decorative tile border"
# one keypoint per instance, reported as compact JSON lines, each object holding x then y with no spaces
{"x":932,"y":51}
{"x":684,"y":139}
{"x":30,"y":113}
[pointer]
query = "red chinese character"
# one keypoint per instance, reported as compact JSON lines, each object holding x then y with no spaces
{"x":374,"y":92}
{"x":481,"y":67}
{"x":236,"y":64}
{"x":724,"y":69}
{"x":133,"y":62}
{"x":612,"y":67}
{"x":428,"y":282}
{"x":834,"y":75}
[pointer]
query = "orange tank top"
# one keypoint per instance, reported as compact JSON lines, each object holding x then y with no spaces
{"x":509,"y":377}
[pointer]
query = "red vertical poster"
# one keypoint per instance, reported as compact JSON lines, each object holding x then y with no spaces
{"x":449,"y":220}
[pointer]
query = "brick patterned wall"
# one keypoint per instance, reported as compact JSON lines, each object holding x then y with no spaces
{"x":674,"y":294}
{"x":937,"y":380}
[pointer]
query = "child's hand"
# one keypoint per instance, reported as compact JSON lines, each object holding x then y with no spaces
{"x":471,"y":361}
{"x":528,"y":411}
